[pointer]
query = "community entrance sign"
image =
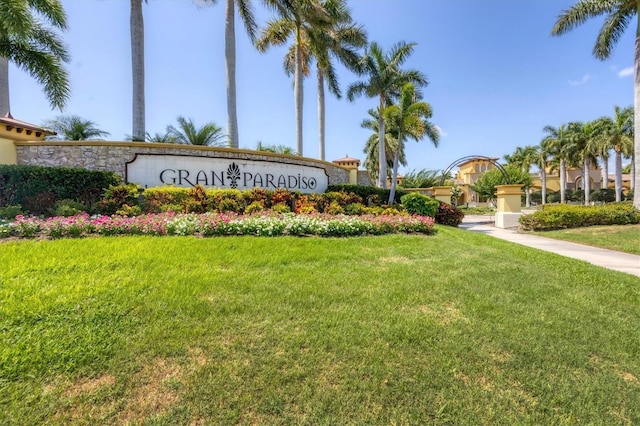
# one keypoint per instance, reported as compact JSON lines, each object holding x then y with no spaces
{"x":226,"y":173}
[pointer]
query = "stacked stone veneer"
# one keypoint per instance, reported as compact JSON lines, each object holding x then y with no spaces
{"x":364,"y":178}
{"x":113,"y":156}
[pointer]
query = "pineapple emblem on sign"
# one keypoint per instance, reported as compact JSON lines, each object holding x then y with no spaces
{"x":233,"y":173}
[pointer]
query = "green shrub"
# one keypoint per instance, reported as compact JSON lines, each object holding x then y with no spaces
{"x":127,"y":210}
{"x":155,"y":199}
{"x":449,"y":215}
{"x":10,"y":212}
{"x":255,"y":207}
{"x":117,"y":196}
{"x":572,"y":216}
{"x":256,"y":195}
{"x":197,"y":200}
{"x":552,"y":197}
{"x":603,"y":195}
{"x":355,"y":209}
{"x":68,"y":208}
{"x":419,"y":204}
{"x":226,"y":200}
{"x":41,"y":187}
{"x":334,"y":208}
{"x":368,"y":194}
{"x":281,"y":208}
{"x":175,"y":208}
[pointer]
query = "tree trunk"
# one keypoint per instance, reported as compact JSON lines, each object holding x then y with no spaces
{"x":586,"y":181}
{"x":527,"y":192}
{"x":298,"y":94}
{"x":137,"y":65}
{"x":394,"y":175}
{"x":618,"y":176}
{"x":543,"y":180}
{"x":382,"y":157}
{"x":563,"y":182}
{"x":633,"y":174}
{"x":4,"y":87}
{"x":605,"y":174}
{"x":636,"y":105}
{"x":321,"y":113}
{"x":230,"y":61}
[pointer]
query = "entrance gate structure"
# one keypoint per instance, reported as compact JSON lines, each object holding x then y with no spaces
{"x":508,"y":195}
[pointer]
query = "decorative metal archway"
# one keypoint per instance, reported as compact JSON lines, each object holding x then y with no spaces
{"x":468,"y":158}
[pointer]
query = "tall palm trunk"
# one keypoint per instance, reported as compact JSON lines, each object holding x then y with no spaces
{"x":563,"y":182}
{"x":321,"y":113}
{"x":586,"y":181}
{"x":543,"y":180}
{"x":230,"y":61}
{"x":4,"y":86}
{"x":394,"y":175}
{"x":605,"y":174}
{"x":636,"y":105}
{"x":527,"y":195}
{"x":137,"y":65}
{"x":633,"y":174}
{"x":618,"y":175}
{"x":297,"y":92}
{"x":382,"y":157}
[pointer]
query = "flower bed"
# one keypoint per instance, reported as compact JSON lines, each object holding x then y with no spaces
{"x":211,"y":224}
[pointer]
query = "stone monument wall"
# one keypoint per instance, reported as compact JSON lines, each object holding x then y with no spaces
{"x":114,"y":156}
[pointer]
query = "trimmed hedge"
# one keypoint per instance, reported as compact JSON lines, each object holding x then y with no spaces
{"x":39,"y":188}
{"x":378,"y":196}
{"x":569,"y":216}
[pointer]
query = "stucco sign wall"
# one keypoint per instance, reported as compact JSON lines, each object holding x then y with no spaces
{"x":236,"y":173}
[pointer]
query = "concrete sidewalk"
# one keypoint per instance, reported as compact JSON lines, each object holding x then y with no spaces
{"x":623,"y":262}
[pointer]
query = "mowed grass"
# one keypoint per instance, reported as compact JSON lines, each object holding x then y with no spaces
{"x":625,"y":238}
{"x":457,"y":328}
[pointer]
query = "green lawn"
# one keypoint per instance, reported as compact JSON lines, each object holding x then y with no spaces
{"x":457,"y":328}
{"x":624,"y":238}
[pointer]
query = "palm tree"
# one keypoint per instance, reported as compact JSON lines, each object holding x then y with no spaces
{"x":298,"y":19}
{"x":371,"y":148}
{"x":523,"y":158}
{"x":245,"y":10}
{"x":187,"y":133}
{"x":160,"y":138}
{"x":74,"y":128}
{"x":27,"y":40}
{"x":602,"y":149}
{"x":582,"y":152}
{"x":277,"y":149}
{"x":541,"y":160}
{"x":618,"y":135}
{"x":339,"y":40}
{"x":385,"y":79}
{"x":409,"y":118}
{"x":136,"y":27}
{"x":556,"y":143}
{"x":424,"y":178}
{"x":618,"y":14}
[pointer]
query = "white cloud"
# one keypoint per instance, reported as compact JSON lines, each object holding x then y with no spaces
{"x":625,"y":72}
{"x":584,"y":79}
{"x":442,"y":132}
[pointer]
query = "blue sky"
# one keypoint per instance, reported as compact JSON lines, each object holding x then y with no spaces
{"x":496,"y":76}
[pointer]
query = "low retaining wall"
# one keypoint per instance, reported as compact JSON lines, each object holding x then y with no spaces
{"x":115,"y":156}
